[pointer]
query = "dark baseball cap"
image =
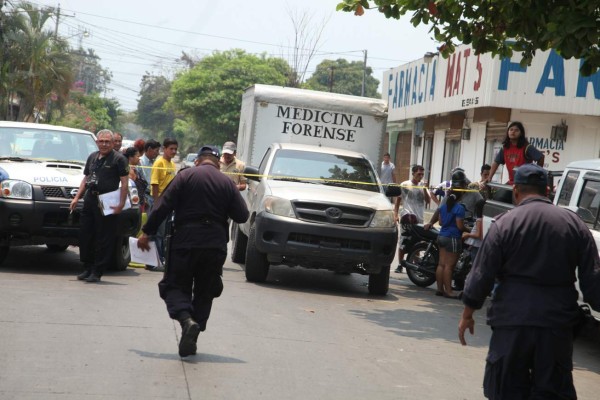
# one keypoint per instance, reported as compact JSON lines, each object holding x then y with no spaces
{"x":531,"y":174}
{"x":459,"y":178}
{"x":209,"y":151}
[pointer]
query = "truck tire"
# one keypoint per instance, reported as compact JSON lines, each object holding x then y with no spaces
{"x":240,"y":242}
{"x":3,"y":253}
{"x":415,"y":257}
{"x":380,"y":283}
{"x":57,"y":247}
{"x":121,"y":254}
{"x":257,"y":265}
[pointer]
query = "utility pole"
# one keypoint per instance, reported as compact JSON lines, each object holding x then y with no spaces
{"x":362,"y":90}
{"x":57,"y":20}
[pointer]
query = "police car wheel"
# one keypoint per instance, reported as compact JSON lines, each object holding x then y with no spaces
{"x":121,"y":254}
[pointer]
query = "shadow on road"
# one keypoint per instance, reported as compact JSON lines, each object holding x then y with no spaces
{"x":320,"y":281}
{"x":39,"y":260}
{"x":198,"y":358}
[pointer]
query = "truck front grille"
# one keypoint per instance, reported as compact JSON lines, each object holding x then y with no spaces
{"x":333,"y":213}
{"x":58,"y":192}
{"x":329,"y":242}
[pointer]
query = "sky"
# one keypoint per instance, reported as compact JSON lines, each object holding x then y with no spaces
{"x":135,"y":37}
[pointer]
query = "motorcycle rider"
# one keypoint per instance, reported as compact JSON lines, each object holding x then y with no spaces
{"x":414,"y":196}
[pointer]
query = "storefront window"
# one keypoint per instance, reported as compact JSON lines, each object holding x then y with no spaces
{"x":451,"y":156}
{"x":492,"y":148}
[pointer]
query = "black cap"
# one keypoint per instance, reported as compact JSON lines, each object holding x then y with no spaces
{"x":459,"y":179}
{"x":531,"y":174}
{"x":209,"y":151}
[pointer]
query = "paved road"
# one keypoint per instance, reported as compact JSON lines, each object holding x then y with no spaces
{"x":303,"y":335}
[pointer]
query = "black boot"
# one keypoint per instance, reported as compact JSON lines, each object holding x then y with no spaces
{"x":92,"y":278}
{"x":83,"y":276}
{"x":189,"y":335}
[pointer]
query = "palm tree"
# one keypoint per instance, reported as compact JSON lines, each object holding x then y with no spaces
{"x":41,"y":68}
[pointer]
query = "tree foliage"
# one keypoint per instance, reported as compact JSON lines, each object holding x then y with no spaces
{"x":210,"y":94}
{"x":36,"y":69}
{"x":90,"y":112}
{"x":90,"y":76}
{"x":503,"y":26}
{"x":343,"y":77}
{"x":153,"y":112}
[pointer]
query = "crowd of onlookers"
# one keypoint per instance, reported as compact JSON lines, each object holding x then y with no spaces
{"x":455,"y":199}
{"x":151,"y":172}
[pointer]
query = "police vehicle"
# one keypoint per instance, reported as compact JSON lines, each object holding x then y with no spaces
{"x":41,"y":167}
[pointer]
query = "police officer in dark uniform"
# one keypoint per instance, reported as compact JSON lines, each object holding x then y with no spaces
{"x":533,"y":251}
{"x":104,"y":170}
{"x":203,"y":199}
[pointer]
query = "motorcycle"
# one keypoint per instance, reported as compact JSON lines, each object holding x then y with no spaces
{"x":422,"y":259}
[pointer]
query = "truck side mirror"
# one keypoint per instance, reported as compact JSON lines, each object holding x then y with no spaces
{"x":251,"y":173}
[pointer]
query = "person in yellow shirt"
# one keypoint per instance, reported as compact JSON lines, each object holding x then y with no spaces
{"x":163,"y":169}
{"x":163,"y":172}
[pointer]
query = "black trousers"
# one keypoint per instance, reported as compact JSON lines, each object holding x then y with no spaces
{"x":191,"y":282}
{"x":529,"y":363}
{"x":97,"y":236}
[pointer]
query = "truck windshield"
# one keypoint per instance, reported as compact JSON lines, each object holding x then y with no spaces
{"x":42,"y":144}
{"x":324,"y":168}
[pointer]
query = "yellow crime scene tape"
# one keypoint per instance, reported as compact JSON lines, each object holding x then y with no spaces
{"x":300,"y":178}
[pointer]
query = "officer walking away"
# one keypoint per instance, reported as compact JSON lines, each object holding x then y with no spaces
{"x":533,"y":251}
{"x":104,"y":170}
{"x":203,"y":199}
{"x":231,"y":166}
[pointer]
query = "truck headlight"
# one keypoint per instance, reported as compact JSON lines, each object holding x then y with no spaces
{"x":383,"y":219}
{"x":13,"y":189}
{"x":278,"y":206}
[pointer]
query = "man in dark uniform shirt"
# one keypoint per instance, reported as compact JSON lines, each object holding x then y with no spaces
{"x":104,"y":170}
{"x":533,"y":251}
{"x":203,"y":199}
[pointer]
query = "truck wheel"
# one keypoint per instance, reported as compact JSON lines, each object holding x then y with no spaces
{"x":57,"y":247}
{"x":3,"y":253}
{"x":240,"y":242}
{"x":417,"y":256}
{"x":257,"y":265}
{"x":121,"y":254}
{"x":380,"y":283}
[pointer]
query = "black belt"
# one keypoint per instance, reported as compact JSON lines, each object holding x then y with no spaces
{"x":197,"y":222}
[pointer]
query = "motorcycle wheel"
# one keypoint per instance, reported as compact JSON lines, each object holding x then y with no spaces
{"x":419,"y":255}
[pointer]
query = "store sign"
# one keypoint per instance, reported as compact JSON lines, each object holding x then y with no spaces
{"x":466,"y":80}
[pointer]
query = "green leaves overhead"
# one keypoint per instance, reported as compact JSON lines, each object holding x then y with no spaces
{"x":500,"y":27}
{"x":210,"y":94}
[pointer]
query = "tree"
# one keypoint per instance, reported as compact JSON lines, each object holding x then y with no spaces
{"x":90,"y":112}
{"x":90,"y":76}
{"x":37,"y":68}
{"x":341,"y":76}
{"x":153,"y":113}
{"x":501,"y":27}
{"x":210,"y":94}
{"x":304,"y":47}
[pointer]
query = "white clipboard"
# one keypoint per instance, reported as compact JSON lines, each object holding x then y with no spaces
{"x":112,"y":199}
{"x":144,"y":257}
